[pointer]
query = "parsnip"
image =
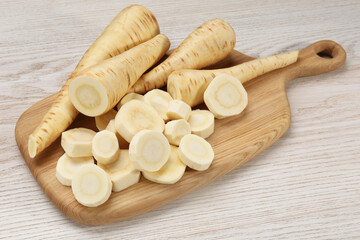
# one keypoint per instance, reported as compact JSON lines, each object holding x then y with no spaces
{"x":102,"y":121}
{"x":225,"y":96}
{"x":99,"y":88}
{"x":189,"y":85}
{"x":132,"y":26}
{"x":123,"y":144}
{"x":208,"y":44}
{"x":128,"y":97}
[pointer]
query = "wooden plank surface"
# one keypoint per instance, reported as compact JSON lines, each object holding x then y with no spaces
{"x":305,"y":186}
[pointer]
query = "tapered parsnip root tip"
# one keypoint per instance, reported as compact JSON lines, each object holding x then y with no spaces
{"x":132,"y":26}
{"x":32,"y":147}
{"x":99,"y":88}
{"x":91,"y":185}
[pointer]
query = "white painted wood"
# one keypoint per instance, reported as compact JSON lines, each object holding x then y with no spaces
{"x":306,"y":186}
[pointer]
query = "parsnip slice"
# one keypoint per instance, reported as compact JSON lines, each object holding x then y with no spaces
{"x":196,"y":152}
{"x":171,"y":172}
{"x":225,"y":96}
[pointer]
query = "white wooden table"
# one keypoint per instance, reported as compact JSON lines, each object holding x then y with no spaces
{"x":306,"y":186}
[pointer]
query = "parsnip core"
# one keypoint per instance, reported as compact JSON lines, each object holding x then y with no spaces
{"x":88,"y":96}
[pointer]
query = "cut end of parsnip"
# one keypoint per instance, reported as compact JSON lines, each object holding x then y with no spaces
{"x":171,"y":172}
{"x":122,"y":172}
{"x":105,"y":147}
{"x":175,"y":130}
{"x":172,"y":88}
{"x":225,"y":96}
{"x":196,"y":152}
{"x":67,"y":166}
{"x":202,"y":122}
{"x":32,"y":146}
{"x":135,"y":116}
{"x":91,"y":185}
{"x":88,"y":96}
{"x":149,"y":150}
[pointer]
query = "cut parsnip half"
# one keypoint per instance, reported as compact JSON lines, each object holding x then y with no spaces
{"x":77,"y":142}
{"x":105,"y":147}
{"x":135,"y":116}
{"x":196,"y":152}
{"x":201,"y":122}
{"x":149,"y":150}
{"x":91,"y":185}
{"x":159,"y":100}
{"x":122,"y":172}
{"x":178,"y":110}
{"x":100,"y":87}
{"x":128,"y":97}
{"x":66,"y":166}
{"x":103,"y":120}
{"x":123,"y":144}
{"x":171,"y":172}
{"x":175,"y":130}
{"x":225,"y":96}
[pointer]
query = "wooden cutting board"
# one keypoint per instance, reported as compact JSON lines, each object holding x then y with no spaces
{"x":235,"y":141}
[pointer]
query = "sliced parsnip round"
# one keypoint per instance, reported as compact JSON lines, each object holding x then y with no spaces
{"x":175,"y":130}
{"x":122,"y":172}
{"x":103,"y":120}
{"x":178,"y":110}
{"x":128,"y":97}
{"x":171,"y":172}
{"x":225,"y":96}
{"x":77,"y":142}
{"x":123,"y":144}
{"x":91,"y":185}
{"x":196,"y":152}
{"x":135,"y":116}
{"x":149,"y":150}
{"x":105,"y":147}
{"x":159,"y":100}
{"x":66,"y":166}
{"x":202,"y":122}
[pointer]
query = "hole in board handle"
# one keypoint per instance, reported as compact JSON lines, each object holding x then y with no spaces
{"x":325,"y":54}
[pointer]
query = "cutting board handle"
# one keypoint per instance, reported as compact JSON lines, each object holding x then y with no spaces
{"x":320,"y":57}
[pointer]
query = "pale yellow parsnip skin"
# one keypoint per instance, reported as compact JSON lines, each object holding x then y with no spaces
{"x":132,"y":26}
{"x":99,"y":88}
{"x":208,"y":44}
{"x":189,"y":85}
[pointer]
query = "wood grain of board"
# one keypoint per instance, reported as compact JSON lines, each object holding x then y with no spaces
{"x":304,"y":187}
{"x":235,"y":140}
